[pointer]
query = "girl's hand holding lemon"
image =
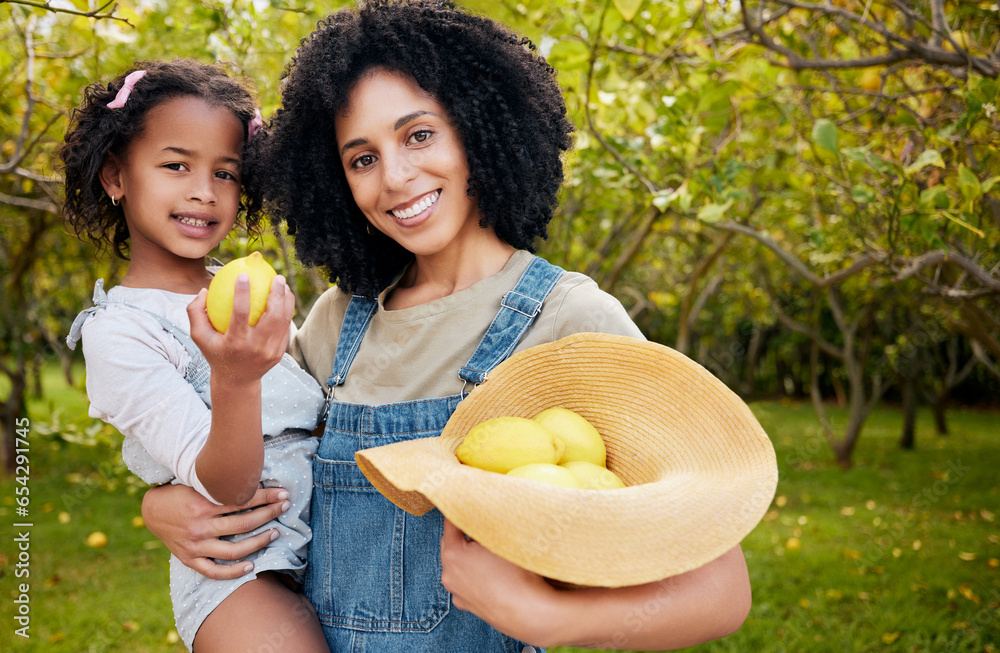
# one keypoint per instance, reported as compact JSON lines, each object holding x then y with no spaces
{"x":254,"y":332}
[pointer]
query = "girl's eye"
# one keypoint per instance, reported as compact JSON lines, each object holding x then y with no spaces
{"x":363,"y":161}
{"x":421,"y":136}
{"x":225,"y":174}
{"x":175,"y":166}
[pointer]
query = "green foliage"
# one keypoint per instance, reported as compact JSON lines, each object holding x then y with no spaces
{"x":709,"y":159}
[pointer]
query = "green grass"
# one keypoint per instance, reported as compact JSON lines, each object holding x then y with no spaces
{"x":897,"y":554}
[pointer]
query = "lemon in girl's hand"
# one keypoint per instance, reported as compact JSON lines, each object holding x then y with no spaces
{"x":503,"y":443}
{"x":582,"y":440}
{"x":547,"y":473}
{"x":593,"y":477}
{"x":223,"y":288}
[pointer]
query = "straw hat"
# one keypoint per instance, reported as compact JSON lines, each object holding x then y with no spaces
{"x":700,"y":470}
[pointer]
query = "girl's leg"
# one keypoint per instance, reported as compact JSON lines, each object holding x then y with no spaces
{"x":261,"y":616}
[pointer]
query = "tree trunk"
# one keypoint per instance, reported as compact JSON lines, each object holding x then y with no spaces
{"x":13,"y":409}
{"x":908,"y":439}
{"x":940,"y":422}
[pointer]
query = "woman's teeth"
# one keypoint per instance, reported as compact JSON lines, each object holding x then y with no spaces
{"x":419,"y":207}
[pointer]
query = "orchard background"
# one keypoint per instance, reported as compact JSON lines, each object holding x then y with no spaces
{"x":804,"y":197}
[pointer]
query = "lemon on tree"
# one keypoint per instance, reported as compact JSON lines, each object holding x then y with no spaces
{"x":582,"y":440}
{"x":503,"y":443}
{"x":221,"y":291}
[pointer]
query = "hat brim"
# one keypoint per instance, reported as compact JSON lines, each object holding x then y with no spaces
{"x":700,"y":470}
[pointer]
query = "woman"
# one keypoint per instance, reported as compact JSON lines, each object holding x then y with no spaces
{"x":417,"y":156}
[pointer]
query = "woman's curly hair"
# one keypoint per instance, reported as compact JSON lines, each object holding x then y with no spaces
{"x":95,"y":131}
{"x":501,"y":96}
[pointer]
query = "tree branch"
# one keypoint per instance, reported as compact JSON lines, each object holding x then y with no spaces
{"x":938,"y":256}
{"x":862,"y":262}
{"x":901,"y":49}
{"x":29,"y":203}
{"x":48,"y":6}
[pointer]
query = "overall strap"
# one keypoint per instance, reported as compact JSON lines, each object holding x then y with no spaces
{"x":518,"y":309}
{"x":100,"y":301}
{"x":356,"y":320}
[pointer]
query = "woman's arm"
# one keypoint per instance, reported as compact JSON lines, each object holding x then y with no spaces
{"x":190,"y":526}
{"x":691,"y":608}
{"x":230,"y":463}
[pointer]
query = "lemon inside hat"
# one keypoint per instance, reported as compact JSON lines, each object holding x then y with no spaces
{"x":699,"y":469}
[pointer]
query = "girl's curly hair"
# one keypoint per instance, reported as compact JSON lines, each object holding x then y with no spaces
{"x":96,"y":131}
{"x":501,"y":96}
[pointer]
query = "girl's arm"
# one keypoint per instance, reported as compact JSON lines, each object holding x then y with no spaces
{"x":190,"y":526}
{"x":230,"y":463}
{"x":691,"y":608}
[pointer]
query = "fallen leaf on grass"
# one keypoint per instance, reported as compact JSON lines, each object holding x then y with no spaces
{"x":97,"y":539}
{"x":967,"y":592}
{"x":987,"y":515}
{"x":965,"y":555}
{"x":889,"y":638}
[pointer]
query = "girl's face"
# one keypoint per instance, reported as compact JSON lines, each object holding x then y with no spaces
{"x":406,"y":164}
{"x":179,"y":181}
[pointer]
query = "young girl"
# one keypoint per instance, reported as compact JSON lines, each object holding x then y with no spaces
{"x":153,"y":162}
{"x":417,"y":157}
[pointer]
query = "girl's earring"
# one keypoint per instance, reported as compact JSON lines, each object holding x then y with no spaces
{"x":113,"y":202}
{"x":368,"y":228}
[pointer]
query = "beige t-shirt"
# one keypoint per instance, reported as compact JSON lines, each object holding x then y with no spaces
{"x":417,"y":352}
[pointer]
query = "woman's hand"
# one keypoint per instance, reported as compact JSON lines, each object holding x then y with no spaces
{"x":190,"y":526}
{"x":507,"y":597}
{"x":697,"y":606}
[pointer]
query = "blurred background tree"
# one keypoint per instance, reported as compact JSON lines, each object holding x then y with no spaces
{"x":801,"y":196}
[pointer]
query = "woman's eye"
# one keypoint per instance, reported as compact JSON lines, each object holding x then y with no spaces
{"x":363,"y":161}
{"x":421,"y":136}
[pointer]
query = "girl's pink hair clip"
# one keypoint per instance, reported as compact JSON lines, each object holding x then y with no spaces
{"x":254,"y":125}
{"x":126,"y":89}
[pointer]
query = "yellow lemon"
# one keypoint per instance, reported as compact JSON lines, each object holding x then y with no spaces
{"x":547,"y":473}
{"x":593,"y":477}
{"x":960,"y":38}
{"x":582,"y":440}
{"x":871,"y":80}
{"x":97,"y":539}
{"x":223,"y":287}
{"x":503,"y":443}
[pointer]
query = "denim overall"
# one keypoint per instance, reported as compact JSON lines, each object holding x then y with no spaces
{"x":374,"y":573}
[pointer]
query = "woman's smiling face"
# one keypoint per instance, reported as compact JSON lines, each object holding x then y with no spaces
{"x":406,"y":164}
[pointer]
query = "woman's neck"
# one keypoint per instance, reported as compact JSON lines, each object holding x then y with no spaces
{"x":432,"y":277}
